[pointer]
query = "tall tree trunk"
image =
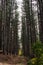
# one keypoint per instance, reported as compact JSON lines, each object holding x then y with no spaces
{"x":41,"y":19}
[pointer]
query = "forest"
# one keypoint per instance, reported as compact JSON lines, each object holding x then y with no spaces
{"x":21,"y":31}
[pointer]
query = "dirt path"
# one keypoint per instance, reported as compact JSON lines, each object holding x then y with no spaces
{"x":12,"y":60}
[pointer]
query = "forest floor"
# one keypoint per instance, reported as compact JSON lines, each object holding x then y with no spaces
{"x":12,"y":60}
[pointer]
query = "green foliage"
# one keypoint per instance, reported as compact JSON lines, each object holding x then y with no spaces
{"x":32,"y":61}
{"x":37,"y":48}
{"x":38,"y":52}
{"x":36,"y":61}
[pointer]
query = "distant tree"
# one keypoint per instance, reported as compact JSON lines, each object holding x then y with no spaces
{"x":9,"y":26}
{"x":16,"y":20}
{"x":14,"y":29}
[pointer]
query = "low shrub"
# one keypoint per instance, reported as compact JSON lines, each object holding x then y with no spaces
{"x":38,"y":52}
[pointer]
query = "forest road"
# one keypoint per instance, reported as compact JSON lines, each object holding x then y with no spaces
{"x":12,"y":60}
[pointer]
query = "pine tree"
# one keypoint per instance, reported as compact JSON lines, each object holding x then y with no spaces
{"x":0,"y":26}
{"x":24,"y":36}
{"x":29,"y":27}
{"x":27,"y":15}
{"x":40,"y":2}
{"x":16,"y":29}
